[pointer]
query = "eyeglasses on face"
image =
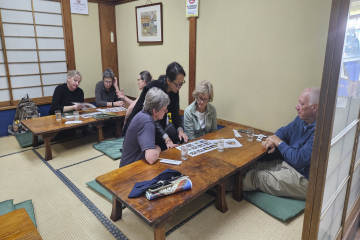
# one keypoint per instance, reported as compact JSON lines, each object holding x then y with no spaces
{"x":108,"y":82}
{"x":200,"y":99}
{"x":179,"y":85}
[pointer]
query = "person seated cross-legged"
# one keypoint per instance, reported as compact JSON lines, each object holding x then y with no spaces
{"x":291,"y":146}
{"x":139,"y":142}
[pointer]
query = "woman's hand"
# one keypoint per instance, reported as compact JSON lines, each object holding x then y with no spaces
{"x":169,"y":143}
{"x":119,"y":104}
{"x":182,"y":135}
{"x":77,"y":107}
{"x":121,"y":94}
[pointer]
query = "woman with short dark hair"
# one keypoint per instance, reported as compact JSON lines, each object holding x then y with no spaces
{"x":170,"y":83}
{"x":105,"y":91}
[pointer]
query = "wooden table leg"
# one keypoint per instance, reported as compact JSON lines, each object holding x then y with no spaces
{"x":99,"y":126}
{"x":116,"y":212}
{"x":238,"y":186}
{"x":35,"y":140}
{"x":47,"y":137}
{"x":159,"y":233}
{"x":220,"y":198}
{"x":119,"y":123}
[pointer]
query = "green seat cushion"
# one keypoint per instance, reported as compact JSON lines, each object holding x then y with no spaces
{"x":6,"y":207}
{"x":111,"y":148}
{"x":99,"y":189}
{"x":29,"y":209}
{"x":278,"y":207}
{"x":26,"y":139}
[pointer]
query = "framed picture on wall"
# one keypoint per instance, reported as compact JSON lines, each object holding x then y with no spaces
{"x":149,"y":27}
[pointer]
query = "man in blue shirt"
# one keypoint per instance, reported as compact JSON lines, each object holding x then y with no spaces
{"x":291,"y":146}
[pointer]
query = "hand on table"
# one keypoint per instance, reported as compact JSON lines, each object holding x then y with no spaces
{"x":269,"y":146}
{"x":119,"y":104}
{"x":170,"y":144}
{"x":77,"y":107}
{"x":182,"y":135}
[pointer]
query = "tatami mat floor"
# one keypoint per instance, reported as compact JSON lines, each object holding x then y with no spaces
{"x":65,"y":208}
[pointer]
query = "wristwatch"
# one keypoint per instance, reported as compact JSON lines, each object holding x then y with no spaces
{"x":280,"y":143}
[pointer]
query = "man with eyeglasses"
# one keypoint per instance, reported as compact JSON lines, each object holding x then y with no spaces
{"x":139,"y":142}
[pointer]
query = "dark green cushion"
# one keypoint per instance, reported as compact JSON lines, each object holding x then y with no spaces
{"x":97,"y":188}
{"x":29,"y":209}
{"x":111,"y":147}
{"x":6,"y":207}
{"x":26,"y":139}
{"x":278,"y":207}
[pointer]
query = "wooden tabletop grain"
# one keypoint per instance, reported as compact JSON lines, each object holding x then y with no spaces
{"x":48,"y":124}
{"x":18,"y":225}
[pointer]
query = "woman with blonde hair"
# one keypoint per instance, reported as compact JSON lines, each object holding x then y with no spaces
{"x":200,"y":116}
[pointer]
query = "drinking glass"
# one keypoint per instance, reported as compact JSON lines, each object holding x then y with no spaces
{"x":220,"y":144}
{"x":184,"y":152}
{"x":250,"y":134}
{"x":76,"y":115}
{"x":58,"y":115}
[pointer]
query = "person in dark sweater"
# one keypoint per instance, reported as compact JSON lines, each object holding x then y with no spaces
{"x":139,"y":143}
{"x":170,"y":83}
{"x":67,"y":93}
{"x":105,"y":91}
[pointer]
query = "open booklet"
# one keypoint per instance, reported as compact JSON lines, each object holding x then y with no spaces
{"x":84,"y":105}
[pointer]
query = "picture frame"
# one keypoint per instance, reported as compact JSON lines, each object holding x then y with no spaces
{"x":149,"y":26}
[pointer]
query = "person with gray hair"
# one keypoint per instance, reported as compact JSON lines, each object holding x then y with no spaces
{"x":67,"y":93}
{"x":285,"y":172}
{"x":200,"y":116}
{"x":106,"y":91}
{"x":139,"y":142}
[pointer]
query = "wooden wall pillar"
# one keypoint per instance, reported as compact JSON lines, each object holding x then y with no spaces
{"x":192,"y":57}
{"x":107,"y":23}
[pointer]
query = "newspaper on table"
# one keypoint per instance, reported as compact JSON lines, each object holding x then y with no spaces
{"x":84,"y":105}
{"x":200,"y":146}
{"x":114,"y":109}
{"x":228,"y":143}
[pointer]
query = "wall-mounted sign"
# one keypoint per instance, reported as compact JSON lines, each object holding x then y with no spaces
{"x":79,"y":6}
{"x":192,"y":8}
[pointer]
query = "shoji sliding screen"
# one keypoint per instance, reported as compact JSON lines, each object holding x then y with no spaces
{"x":33,"y":59}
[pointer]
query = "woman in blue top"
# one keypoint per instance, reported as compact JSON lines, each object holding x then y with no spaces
{"x":200,"y":116}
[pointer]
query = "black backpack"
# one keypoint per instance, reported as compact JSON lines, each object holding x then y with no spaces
{"x":26,"y":108}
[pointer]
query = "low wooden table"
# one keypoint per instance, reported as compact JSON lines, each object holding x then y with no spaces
{"x":205,"y":171}
{"x":18,"y":225}
{"x":47,"y":127}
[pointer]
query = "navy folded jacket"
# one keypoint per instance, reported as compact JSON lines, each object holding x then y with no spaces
{"x":165,"y":175}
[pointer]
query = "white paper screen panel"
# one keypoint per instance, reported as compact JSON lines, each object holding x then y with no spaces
{"x":16,"y":16}
{"x":54,"y":78}
{"x":53,"y":67}
{"x":49,"y":31}
{"x":49,"y":90}
{"x":4,"y":95}
{"x":23,"y":68}
{"x":355,"y":189}
{"x":47,"y":6}
{"x":51,"y":43}
{"x":20,"y":43}
{"x":2,"y":57}
{"x":48,"y":19}
{"x":22,"y":56}
{"x":16,"y":4}
{"x":4,"y":82}
{"x":18,"y":30}
{"x":330,"y":223}
{"x":2,"y":70}
{"x":34,"y":92}
{"x":25,"y":81}
{"x":46,"y":56}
